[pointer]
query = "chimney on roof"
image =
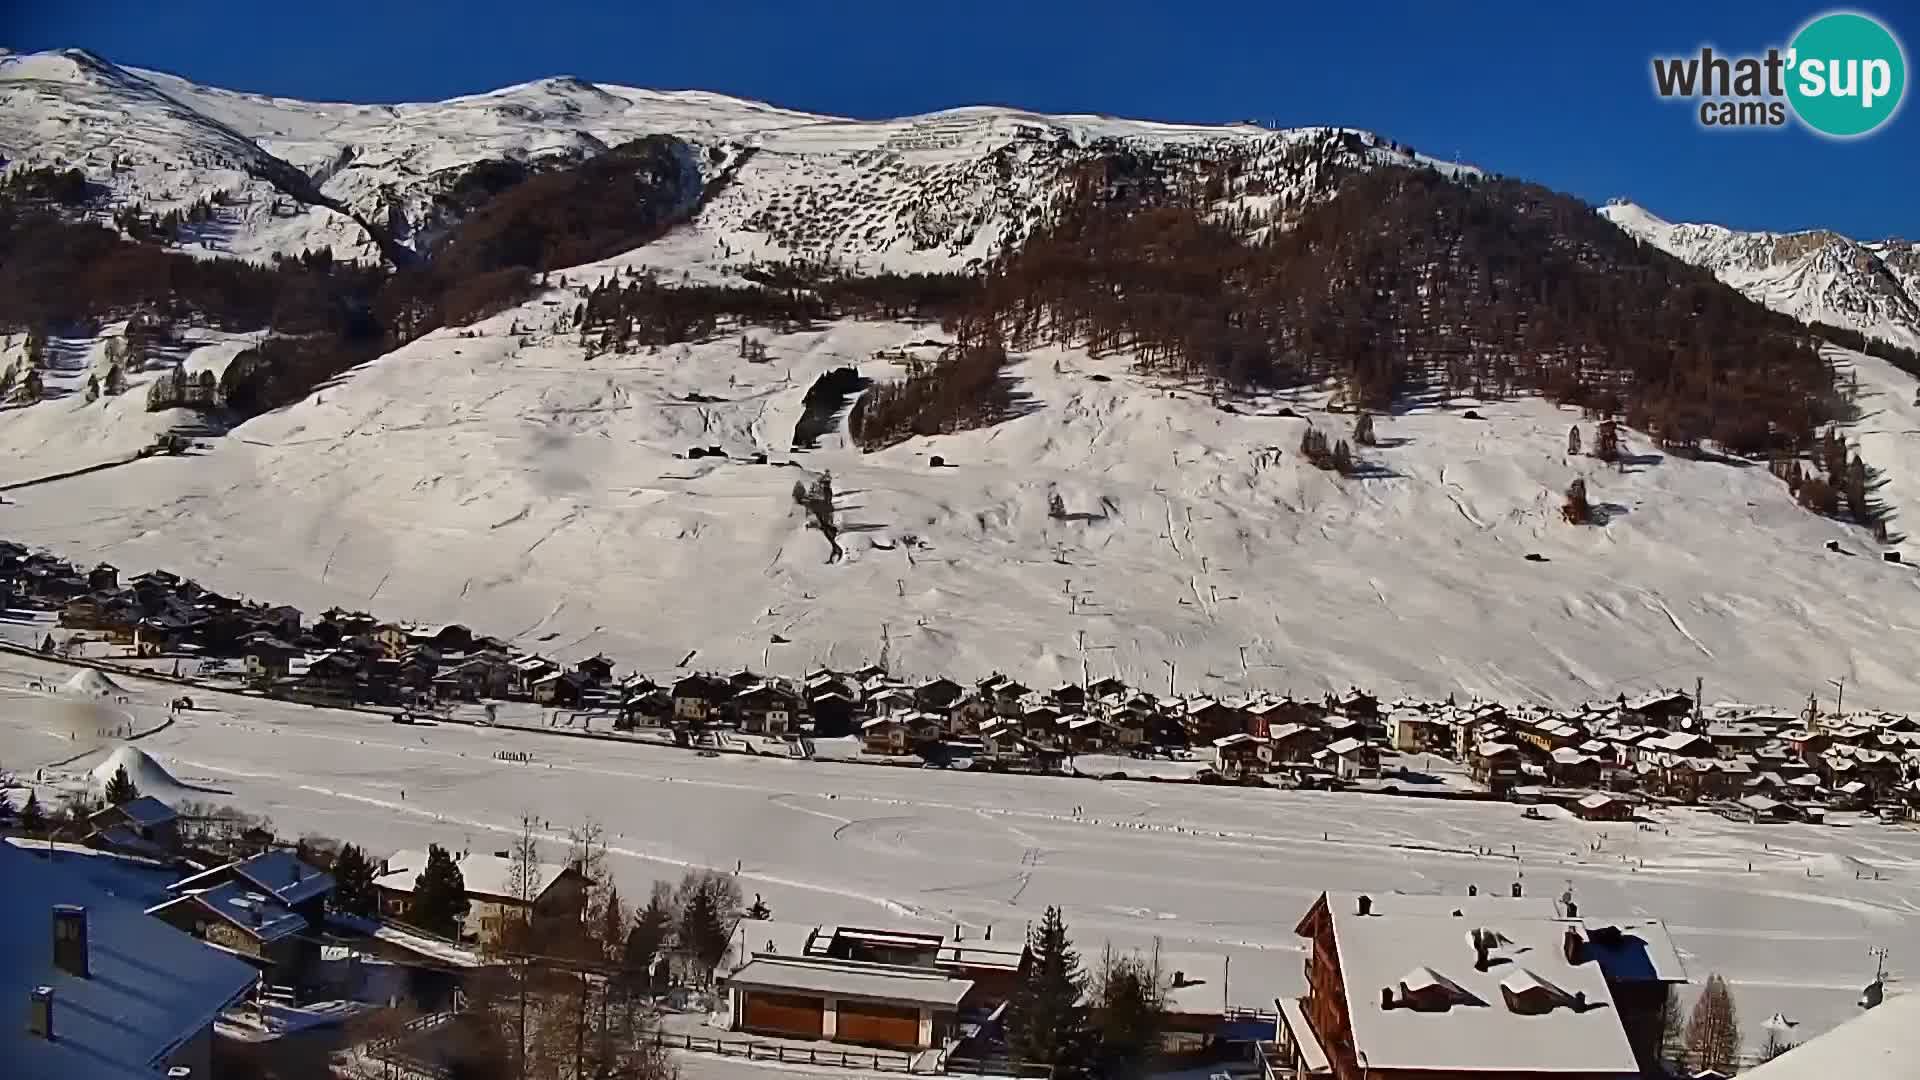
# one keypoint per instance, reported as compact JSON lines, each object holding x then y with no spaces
{"x":70,"y":940}
{"x":1386,"y":999}
{"x":1481,"y":947}
{"x":40,"y":1013}
{"x":1179,"y":979}
{"x":1573,"y":910}
{"x":1366,"y":904}
{"x":1473,"y":890}
{"x":1572,"y":944}
{"x":1579,"y":1001}
{"x":1516,"y":889}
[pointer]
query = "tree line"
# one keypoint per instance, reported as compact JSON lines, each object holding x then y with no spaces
{"x":1406,"y":282}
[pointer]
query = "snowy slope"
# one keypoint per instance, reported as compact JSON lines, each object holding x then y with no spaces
{"x":505,"y":480}
{"x":1814,"y":276}
{"x":933,"y":192}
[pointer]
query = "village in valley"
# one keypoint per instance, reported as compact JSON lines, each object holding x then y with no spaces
{"x":362,"y":954}
{"x":1600,"y":760}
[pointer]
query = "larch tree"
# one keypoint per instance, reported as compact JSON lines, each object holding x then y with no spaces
{"x":1573,"y":441}
{"x":1713,"y":1028}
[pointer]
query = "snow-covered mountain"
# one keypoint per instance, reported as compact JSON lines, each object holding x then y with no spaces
{"x":1814,"y":276}
{"x":933,"y":192}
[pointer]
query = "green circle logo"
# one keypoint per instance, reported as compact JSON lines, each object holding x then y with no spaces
{"x":1847,"y":74}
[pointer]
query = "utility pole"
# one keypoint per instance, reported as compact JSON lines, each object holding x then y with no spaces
{"x":1170,"y":669}
{"x":1698,"y":685}
{"x":1879,"y":954}
{"x":1840,"y":695}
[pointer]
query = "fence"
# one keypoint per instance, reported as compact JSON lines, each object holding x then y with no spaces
{"x":755,"y":1050}
{"x":929,"y":1063}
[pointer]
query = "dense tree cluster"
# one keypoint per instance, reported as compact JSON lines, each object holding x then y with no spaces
{"x":966,"y":388}
{"x":642,"y":311}
{"x":609,"y":203}
{"x":1405,"y":280}
{"x":1321,"y":454}
{"x":67,"y":187}
{"x":1834,"y":479}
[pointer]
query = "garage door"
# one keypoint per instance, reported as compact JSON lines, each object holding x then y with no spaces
{"x":783,"y":1014}
{"x":872,"y":1024}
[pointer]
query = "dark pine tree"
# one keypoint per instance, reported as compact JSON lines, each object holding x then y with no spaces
{"x":648,"y":936}
{"x":1363,"y":430}
{"x":1606,"y":441}
{"x":1576,"y":509}
{"x":353,"y":892}
{"x":703,"y":929}
{"x":33,"y":819}
{"x":120,"y":789}
{"x":1047,"y":1022}
{"x":1573,"y":441}
{"x":439,"y":894}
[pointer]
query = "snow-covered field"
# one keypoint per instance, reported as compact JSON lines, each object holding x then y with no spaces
{"x":1197,"y":868}
{"x":497,"y":476}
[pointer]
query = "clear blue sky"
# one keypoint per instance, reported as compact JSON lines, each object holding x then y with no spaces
{"x":1558,"y":93}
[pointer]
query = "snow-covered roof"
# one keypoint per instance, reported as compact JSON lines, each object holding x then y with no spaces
{"x":1475,"y":1032}
{"x":772,"y":937}
{"x":278,"y":873}
{"x":150,"y":987}
{"x":256,"y":913}
{"x":1345,"y":747}
{"x":1634,"y":949}
{"x":851,"y":979}
{"x":146,"y":811}
{"x":483,"y":873}
{"x":1598,"y":799}
{"x":1882,"y":1043}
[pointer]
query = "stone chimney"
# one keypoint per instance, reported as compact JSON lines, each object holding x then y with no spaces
{"x":1386,"y":999}
{"x":1366,"y":904}
{"x":70,"y":940}
{"x":1481,"y":947}
{"x":40,"y":1013}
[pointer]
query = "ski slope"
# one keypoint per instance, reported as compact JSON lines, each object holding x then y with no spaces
{"x":1195,"y":868}
{"x":496,"y":476}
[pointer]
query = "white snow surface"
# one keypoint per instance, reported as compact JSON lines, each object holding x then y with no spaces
{"x":1814,"y":276}
{"x":1198,"y":869}
{"x":148,"y":776}
{"x":932,"y":192}
{"x":90,"y":683}
{"x":504,"y":480}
